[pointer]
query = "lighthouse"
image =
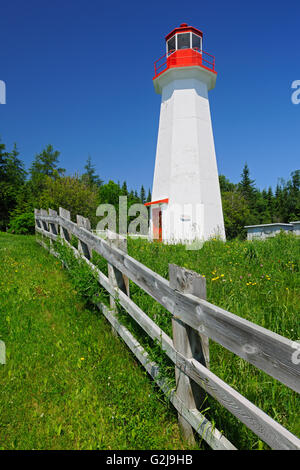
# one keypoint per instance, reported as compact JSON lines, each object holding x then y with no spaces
{"x":186,"y":200}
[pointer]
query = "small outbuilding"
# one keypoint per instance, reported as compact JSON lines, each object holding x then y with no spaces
{"x":296,"y":227}
{"x":268,"y":230}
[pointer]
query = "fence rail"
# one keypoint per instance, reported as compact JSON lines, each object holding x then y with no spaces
{"x":194,"y":321}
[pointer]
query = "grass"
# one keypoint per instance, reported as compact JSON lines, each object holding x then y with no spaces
{"x":68,"y":383}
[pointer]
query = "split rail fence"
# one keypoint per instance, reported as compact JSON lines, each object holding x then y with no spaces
{"x":194,"y":321}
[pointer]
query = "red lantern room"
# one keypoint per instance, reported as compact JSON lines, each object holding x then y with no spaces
{"x":183,"y":49}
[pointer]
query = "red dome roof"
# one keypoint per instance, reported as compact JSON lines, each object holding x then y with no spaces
{"x":184,"y":28}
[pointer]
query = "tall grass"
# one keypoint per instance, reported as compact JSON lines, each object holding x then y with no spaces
{"x":68,"y":383}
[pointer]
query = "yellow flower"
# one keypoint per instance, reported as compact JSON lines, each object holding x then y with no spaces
{"x":82,"y":358}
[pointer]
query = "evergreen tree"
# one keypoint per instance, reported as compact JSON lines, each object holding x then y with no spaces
{"x":270,"y":203}
{"x":45,"y":164}
{"x":90,"y":177}
{"x":15,"y":172}
{"x":149,"y":197}
{"x":2,"y":160}
{"x":246,"y":185}
{"x":124,"y":189}
{"x":143,"y":195}
{"x":12,"y":179}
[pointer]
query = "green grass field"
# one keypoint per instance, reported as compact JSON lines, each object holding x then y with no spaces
{"x":68,"y":382}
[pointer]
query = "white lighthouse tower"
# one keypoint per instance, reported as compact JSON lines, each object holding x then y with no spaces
{"x":186,"y":201}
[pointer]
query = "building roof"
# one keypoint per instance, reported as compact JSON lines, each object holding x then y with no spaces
{"x":279,"y":224}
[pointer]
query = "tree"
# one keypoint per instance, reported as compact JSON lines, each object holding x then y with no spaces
{"x":149,"y":197}
{"x":45,"y":164}
{"x":109,"y":193}
{"x":225,"y":184}
{"x":70,"y":193}
{"x":2,"y":160}
{"x":12,"y":179}
{"x":15,"y":172}
{"x":246,"y":185}
{"x":237,"y":214}
{"x":143,"y":195}
{"x":124,"y":189}
{"x":90,"y":177}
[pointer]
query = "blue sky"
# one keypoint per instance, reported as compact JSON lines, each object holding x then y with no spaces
{"x":79,"y":76}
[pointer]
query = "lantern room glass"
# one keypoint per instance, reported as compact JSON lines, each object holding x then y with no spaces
{"x":171,"y":45}
{"x":184,"y":41}
{"x":196,"y":42}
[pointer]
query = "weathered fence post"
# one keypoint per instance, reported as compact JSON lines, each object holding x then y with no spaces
{"x":37,"y":222}
{"x":189,"y":343}
{"x":44,"y":213}
{"x":65,"y":235}
{"x":44,"y":224}
{"x":83,"y":247}
{"x":53,"y":228}
{"x":116,"y":278}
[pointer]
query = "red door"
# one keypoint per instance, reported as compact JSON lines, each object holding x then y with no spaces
{"x":157,"y":224}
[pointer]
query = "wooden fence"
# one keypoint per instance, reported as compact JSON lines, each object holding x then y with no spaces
{"x":194,"y":321}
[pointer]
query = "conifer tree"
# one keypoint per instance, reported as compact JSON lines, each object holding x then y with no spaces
{"x":90,"y":177}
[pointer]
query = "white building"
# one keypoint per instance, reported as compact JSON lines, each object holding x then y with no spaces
{"x":296,"y":227}
{"x":270,"y":230}
{"x":186,"y":200}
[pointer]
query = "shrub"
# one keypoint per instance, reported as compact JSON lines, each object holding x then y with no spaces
{"x":22,"y":224}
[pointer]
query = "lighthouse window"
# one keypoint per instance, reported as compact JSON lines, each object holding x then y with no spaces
{"x":196,"y":42}
{"x":183,"y":41}
{"x":171,"y":44}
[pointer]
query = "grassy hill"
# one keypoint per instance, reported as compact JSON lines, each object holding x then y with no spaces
{"x":68,"y":382}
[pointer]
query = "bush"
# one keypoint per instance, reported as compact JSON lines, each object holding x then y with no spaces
{"x":22,"y":224}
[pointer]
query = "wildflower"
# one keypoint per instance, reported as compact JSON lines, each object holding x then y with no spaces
{"x":82,"y":358}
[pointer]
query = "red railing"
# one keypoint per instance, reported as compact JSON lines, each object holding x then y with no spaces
{"x":184,"y":57}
